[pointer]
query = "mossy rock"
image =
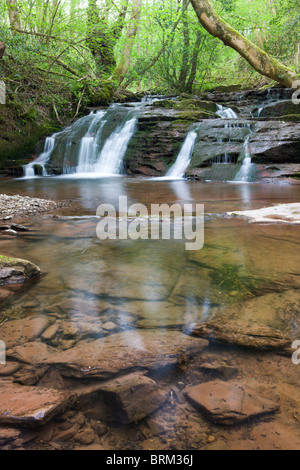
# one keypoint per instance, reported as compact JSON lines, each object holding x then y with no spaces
{"x":16,"y":271}
{"x":188,"y":104}
{"x":289,"y":118}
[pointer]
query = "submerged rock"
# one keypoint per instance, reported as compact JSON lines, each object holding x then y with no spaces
{"x":16,"y":332}
{"x":31,"y":406}
{"x":133,"y":396}
{"x":229,"y":403}
{"x":240,"y":333}
{"x":106,"y":357}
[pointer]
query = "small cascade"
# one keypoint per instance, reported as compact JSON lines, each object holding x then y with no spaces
{"x":245,"y":172}
{"x":184,"y":158}
{"x":41,"y":161}
{"x":111,"y":157}
{"x":88,"y":145}
{"x":226,"y":113}
{"x":85,"y":152}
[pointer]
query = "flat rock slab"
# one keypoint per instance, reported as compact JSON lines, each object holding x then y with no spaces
{"x":22,"y":331}
{"x":108,"y":356}
{"x":229,"y":403}
{"x":240,"y":333}
{"x":31,"y":406}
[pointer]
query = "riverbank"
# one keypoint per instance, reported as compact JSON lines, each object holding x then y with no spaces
{"x":23,"y":206}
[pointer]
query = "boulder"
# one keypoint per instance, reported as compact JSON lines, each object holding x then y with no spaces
{"x":133,"y":397}
{"x":229,"y":403}
{"x":283,"y":108}
{"x":16,"y":271}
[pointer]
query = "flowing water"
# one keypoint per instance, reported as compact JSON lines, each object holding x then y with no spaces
{"x":147,"y":294}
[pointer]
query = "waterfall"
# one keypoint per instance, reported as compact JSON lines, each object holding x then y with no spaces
{"x":42,"y":159}
{"x":88,"y":145}
{"x":244,"y":174}
{"x":226,"y":113}
{"x":82,"y":148}
{"x":184,"y":158}
{"x":111,"y":157}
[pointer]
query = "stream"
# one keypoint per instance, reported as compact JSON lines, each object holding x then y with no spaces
{"x":121,"y":307}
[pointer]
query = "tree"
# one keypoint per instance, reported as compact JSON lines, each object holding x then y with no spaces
{"x":102,"y":37}
{"x":257,"y":58}
{"x":14,"y":17}
{"x":132,"y":29}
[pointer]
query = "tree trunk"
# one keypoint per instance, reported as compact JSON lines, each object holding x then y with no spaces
{"x":132,"y":29}
{"x":257,"y":58}
{"x":14,"y":17}
{"x":101,"y":38}
{"x":2,"y":49}
{"x":193,"y":72}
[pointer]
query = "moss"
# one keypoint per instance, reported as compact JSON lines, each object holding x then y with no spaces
{"x":29,"y":269}
{"x":188,"y":104}
{"x":289,"y":118}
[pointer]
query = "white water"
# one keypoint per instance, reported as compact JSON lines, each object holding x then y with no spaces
{"x":226,"y":113}
{"x":184,"y":158}
{"x":244,"y":174}
{"x":111,"y":157}
{"x":88,"y":145}
{"x":42,"y":159}
{"x":92,"y":160}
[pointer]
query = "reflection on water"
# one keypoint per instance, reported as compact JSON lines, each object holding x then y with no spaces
{"x":157,"y":283}
{"x":106,"y":308}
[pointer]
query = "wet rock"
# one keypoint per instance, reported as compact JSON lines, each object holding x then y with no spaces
{"x":31,"y":406}
{"x":19,"y":228}
{"x":10,"y":232}
{"x":133,"y":397}
{"x":110,"y":326}
{"x":229,"y":403}
{"x":9,"y":369}
{"x":4,"y":227}
{"x":105,"y":357}
{"x":51,"y":332}
{"x":66,"y":434}
{"x":222,"y":371}
{"x":282,"y":108}
{"x":30,"y":375}
{"x":31,"y":353}
{"x":85,"y":436}
{"x":275,"y":142}
{"x":16,"y":271}
{"x":241,"y":333}
{"x":8,"y":434}
{"x":22,"y":331}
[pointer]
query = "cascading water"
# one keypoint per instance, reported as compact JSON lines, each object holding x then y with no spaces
{"x":184,"y":158}
{"x":245,"y":172}
{"x":226,"y":113}
{"x":88,"y":145}
{"x":41,"y":161}
{"x":91,"y":155}
{"x":111,"y":157}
